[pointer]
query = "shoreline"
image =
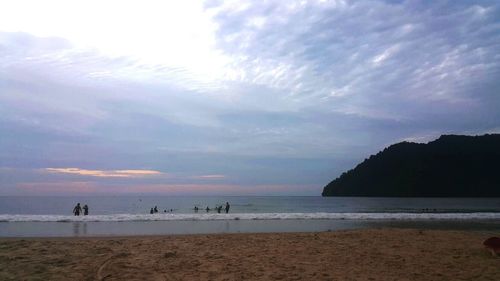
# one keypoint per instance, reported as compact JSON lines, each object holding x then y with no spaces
{"x":363,"y":254}
{"x":147,"y":228}
{"x":194,"y":235}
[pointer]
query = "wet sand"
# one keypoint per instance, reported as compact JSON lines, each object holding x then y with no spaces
{"x":367,"y":254}
{"x":138,"y":228}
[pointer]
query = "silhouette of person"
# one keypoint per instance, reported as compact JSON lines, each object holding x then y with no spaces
{"x":151,"y":211}
{"x":227,"y":207}
{"x":77,"y":209}
{"x":207,"y":209}
{"x":156,"y":209}
{"x":219,"y":208}
{"x":85,"y":210}
{"x":196,"y":209}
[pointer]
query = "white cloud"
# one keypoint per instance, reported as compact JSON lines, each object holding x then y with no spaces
{"x":386,"y":54}
{"x":105,"y":173}
{"x":176,"y":35}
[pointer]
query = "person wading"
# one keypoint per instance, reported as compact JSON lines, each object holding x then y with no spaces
{"x":77,"y":209}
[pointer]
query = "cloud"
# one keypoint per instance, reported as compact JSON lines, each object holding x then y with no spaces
{"x":210,"y":177}
{"x":269,"y":92}
{"x":372,"y":58}
{"x":105,"y":173}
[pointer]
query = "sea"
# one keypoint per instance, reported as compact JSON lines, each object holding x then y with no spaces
{"x":23,"y":216}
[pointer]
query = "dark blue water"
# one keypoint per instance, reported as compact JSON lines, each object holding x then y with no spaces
{"x":267,"y":204}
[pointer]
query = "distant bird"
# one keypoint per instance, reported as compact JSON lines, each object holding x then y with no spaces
{"x":493,"y":245}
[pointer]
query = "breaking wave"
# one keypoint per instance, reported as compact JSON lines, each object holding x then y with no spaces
{"x":252,"y":216}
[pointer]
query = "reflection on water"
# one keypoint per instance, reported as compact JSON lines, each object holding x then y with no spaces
{"x":79,"y":228}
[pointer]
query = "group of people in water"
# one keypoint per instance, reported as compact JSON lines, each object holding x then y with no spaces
{"x":218,"y":208}
{"x":77,"y":210}
{"x":155,"y":210}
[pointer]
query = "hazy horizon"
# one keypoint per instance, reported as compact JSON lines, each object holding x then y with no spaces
{"x":233,"y":97}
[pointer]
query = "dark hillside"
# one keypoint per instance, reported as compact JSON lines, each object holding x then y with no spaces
{"x":454,"y":166}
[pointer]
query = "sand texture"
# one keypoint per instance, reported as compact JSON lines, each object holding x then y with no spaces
{"x":373,"y":254}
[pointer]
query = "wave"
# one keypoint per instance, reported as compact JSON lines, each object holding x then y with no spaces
{"x":251,"y":216}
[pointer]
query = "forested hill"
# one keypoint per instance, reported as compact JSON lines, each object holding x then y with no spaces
{"x":451,"y":166}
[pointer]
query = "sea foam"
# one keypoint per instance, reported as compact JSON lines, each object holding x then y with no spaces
{"x":252,"y":216}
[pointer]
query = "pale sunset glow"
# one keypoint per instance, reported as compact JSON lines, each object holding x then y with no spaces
{"x":104,"y":173}
{"x":212,"y":177}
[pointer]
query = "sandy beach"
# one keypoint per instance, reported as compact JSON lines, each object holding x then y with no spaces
{"x":369,"y":254}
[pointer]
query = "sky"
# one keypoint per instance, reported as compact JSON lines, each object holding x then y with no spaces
{"x":233,"y":97}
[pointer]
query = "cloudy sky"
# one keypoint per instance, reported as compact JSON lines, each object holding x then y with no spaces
{"x":233,"y":97}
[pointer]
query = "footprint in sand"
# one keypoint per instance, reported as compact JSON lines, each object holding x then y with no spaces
{"x":99,"y":275}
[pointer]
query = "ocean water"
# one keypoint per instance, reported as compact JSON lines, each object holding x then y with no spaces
{"x":136,"y":208}
{"x":129,"y":215}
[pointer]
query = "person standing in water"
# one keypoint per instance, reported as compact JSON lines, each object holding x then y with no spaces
{"x":227,"y":207}
{"x":77,"y":209}
{"x":85,"y":210}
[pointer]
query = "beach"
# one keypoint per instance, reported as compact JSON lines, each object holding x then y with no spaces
{"x":363,"y":254}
